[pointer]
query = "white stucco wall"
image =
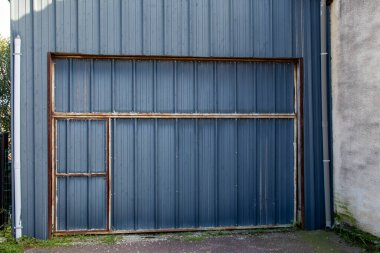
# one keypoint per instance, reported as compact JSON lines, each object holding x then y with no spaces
{"x":356,"y":111}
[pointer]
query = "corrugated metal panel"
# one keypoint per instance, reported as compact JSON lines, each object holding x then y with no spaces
{"x":314,"y":193}
{"x":81,"y":201}
{"x":190,"y":173}
{"x":180,"y":173}
{"x":81,"y":146}
{"x":123,"y":155}
{"x":167,"y":86}
{"x":278,"y":28}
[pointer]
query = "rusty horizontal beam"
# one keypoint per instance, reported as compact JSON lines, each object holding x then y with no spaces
{"x":61,"y":55}
{"x":94,"y":174}
{"x":86,"y":116}
{"x":165,"y":230}
{"x":81,"y":232}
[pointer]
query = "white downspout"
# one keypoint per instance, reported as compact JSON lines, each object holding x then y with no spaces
{"x":16,"y":138}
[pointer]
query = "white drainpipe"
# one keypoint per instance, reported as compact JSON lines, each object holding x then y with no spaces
{"x":16,"y":138}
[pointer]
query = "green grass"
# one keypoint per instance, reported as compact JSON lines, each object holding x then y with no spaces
{"x":218,"y":233}
{"x":194,"y":238}
{"x":269,"y":230}
{"x":10,"y":245}
{"x":355,"y":236}
{"x":200,"y":236}
{"x":188,"y":237}
{"x":109,"y":239}
{"x":320,"y":240}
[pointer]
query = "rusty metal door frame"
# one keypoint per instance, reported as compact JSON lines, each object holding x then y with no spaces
{"x":106,"y":174}
{"x":53,"y":117}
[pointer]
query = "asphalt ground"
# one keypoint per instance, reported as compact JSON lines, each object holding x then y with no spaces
{"x":237,"y":241}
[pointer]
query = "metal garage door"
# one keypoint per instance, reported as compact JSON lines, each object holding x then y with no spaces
{"x":173,"y":143}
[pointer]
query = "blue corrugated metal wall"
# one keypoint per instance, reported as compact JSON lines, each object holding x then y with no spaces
{"x":176,"y":173}
{"x":202,"y":173}
{"x":249,"y":28}
{"x":173,"y":86}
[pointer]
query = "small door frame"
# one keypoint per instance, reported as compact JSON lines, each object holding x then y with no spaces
{"x":106,"y":174}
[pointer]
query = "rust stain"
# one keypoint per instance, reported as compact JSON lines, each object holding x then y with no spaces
{"x":108,"y":143}
{"x":166,"y":230}
{"x":100,"y":116}
{"x":95,"y":174}
{"x":50,"y":144}
{"x":61,"y":55}
{"x":301,"y":144}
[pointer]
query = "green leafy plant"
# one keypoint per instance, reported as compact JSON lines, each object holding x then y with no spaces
{"x":355,"y":236}
{"x":5,"y":85}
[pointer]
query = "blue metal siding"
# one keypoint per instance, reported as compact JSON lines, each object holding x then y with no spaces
{"x":81,"y":148}
{"x":165,"y":78}
{"x":123,"y":86}
{"x":82,"y":203}
{"x":180,"y":173}
{"x":190,"y":173}
{"x":276,"y":28}
{"x":226,"y":172}
{"x":123,"y":181}
{"x":186,"y":189}
{"x":165,"y":173}
{"x":144,"y":174}
{"x":314,"y":193}
{"x":101,"y":91}
{"x":167,"y":86}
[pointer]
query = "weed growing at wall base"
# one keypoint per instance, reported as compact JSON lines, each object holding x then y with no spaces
{"x":10,"y":245}
{"x":358,"y":237}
